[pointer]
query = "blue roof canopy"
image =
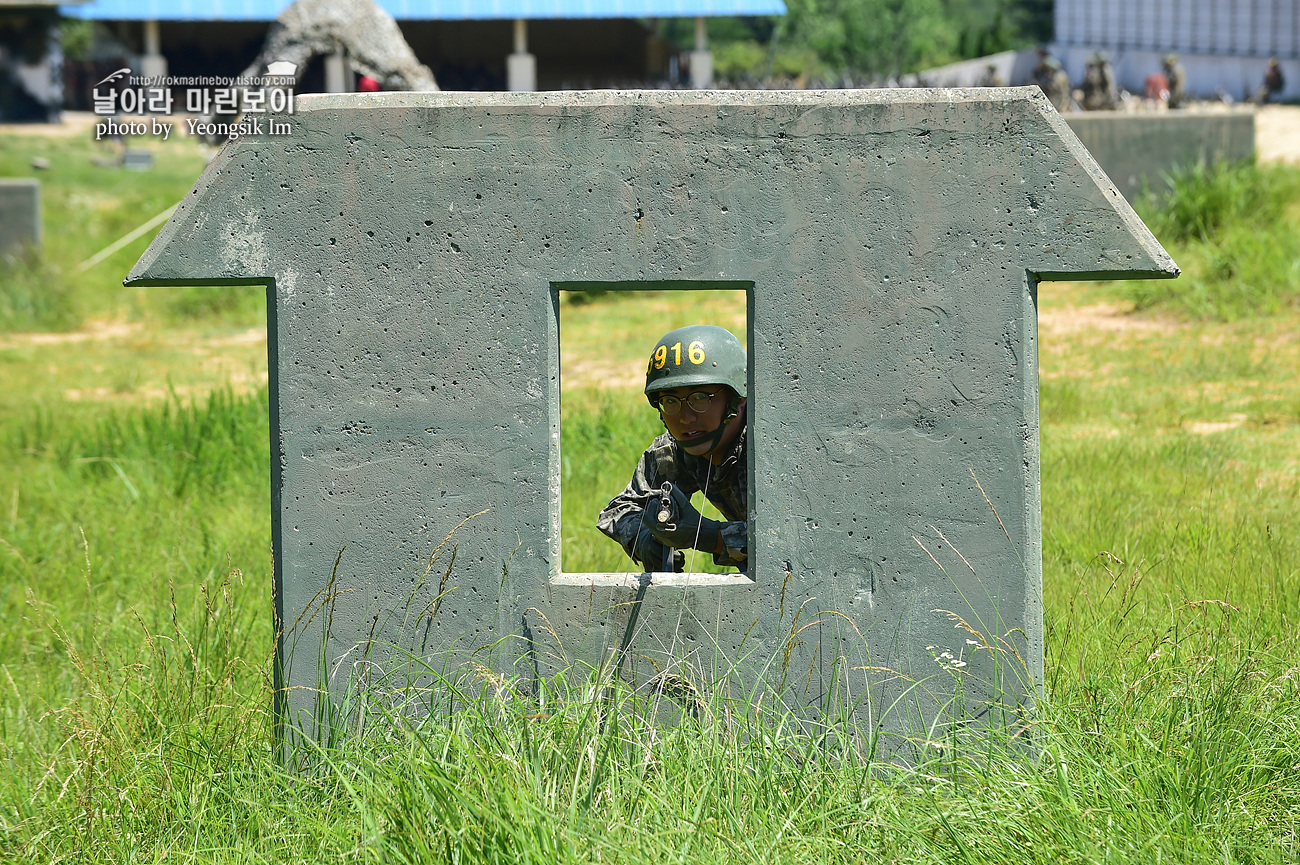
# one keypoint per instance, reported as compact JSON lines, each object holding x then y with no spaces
{"x":432,"y":10}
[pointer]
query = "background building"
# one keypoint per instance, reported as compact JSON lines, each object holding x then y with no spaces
{"x":469,"y":44}
{"x":1224,"y":45}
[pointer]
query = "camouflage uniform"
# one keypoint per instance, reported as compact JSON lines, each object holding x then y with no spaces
{"x":1053,"y":81}
{"x":1177,"y":82}
{"x":1274,"y":82}
{"x":1099,"y":91}
{"x":664,"y":460}
{"x":991,"y":77}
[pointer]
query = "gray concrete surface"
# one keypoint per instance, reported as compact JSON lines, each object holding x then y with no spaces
{"x":1132,"y":147}
{"x":20,"y":213}
{"x":891,"y":243}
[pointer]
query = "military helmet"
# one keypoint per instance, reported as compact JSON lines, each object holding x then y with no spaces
{"x":696,"y":354}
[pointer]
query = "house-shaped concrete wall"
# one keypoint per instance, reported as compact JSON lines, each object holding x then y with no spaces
{"x":891,"y":243}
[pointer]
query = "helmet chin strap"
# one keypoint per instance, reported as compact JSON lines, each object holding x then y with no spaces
{"x":733,"y":408}
{"x":712,"y":438}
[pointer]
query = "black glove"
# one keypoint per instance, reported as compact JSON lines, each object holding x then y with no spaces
{"x":650,"y":553}
{"x":682,"y":527}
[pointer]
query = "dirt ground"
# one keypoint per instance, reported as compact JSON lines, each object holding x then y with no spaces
{"x":1277,"y":133}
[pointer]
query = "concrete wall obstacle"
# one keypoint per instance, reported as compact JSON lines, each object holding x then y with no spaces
{"x":890,"y":243}
{"x":1133,"y":148}
{"x":20,"y":213}
{"x":1015,"y":68}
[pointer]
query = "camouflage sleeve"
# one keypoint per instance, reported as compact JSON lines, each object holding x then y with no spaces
{"x":621,"y":518}
{"x":735,"y":545}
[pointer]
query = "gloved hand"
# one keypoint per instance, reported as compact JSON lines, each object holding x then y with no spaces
{"x":650,"y":553}
{"x":685,"y":528}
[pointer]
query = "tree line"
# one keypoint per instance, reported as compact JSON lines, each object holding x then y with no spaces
{"x":866,"y":40}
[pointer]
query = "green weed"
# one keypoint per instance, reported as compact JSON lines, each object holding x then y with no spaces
{"x":1204,"y":197}
{"x":1235,"y":231}
{"x":134,"y":712}
{"x":33,"y":294}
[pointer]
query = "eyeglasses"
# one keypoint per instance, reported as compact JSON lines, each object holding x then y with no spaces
{"x":698,"y":402}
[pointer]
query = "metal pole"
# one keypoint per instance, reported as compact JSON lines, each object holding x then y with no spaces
{"x":521,"y":67}
{"x":521,"y":36}
{"x":152,"y":40}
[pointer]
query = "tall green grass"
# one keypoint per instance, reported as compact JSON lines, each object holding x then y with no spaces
{"x":135,"y":695}
{"x":1234,"y":228}
{"x":135,"y":692}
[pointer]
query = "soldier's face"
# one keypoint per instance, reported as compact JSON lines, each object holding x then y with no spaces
{"x":692,"y":429}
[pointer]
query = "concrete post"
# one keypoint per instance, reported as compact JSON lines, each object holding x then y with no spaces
{"x":701,"y":58}
{"x":153,"y":64}
{"x":338,"y":75}
{"x":20,"y":213}
{"x":521,"y":67}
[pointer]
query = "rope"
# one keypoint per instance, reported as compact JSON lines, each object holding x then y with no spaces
{"x":116,"y":245}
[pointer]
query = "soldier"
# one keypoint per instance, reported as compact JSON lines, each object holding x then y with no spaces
{"x":992,"y":77}
{"x":696,"y":379}
{"x":1099,"y":92}
{"x":1052,"y":80}
{"x":1060,"y":94}
{"x":1177,"y":82}
{"x":1274,"y":82}
{"x":1042,"y":71}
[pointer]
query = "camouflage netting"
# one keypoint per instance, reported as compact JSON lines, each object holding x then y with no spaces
{"x":367,"y":34}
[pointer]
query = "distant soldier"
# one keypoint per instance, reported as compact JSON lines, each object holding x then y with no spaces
{"x":1052,"y":80}
{"x":1099,"y":91}
{"x":991,"y":77}
{"x":1273,"y":82}
{"x":1042,"y":71}
{"x":1157,"y":87}
{"x":1177,"y":77}
{"x":1060,"y":95}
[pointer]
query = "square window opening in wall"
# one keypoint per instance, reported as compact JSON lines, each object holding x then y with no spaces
{"x":654,"y":483}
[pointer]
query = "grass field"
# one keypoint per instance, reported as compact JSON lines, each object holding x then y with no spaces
{"x":135,"y":589}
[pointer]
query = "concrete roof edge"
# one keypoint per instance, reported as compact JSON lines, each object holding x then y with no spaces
{"x":586,"y":98}
{"x":1160,"y":264}
{"x":147,"y":270}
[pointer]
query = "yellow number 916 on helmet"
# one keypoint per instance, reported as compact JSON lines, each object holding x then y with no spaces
{"x":696,"y":354}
